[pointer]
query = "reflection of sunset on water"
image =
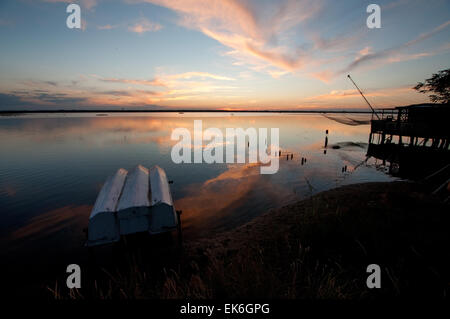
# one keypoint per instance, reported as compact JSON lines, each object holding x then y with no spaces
{"x":63,"y":161}
{"x":67,"y":218}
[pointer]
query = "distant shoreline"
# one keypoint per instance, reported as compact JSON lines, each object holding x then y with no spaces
{"x":179,"y":111}
{"x":357,"y":111}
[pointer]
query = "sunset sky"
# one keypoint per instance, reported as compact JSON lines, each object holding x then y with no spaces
{"x":218,"y":54}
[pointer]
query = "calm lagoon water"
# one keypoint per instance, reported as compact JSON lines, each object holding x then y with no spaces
{"x":52,"y":167}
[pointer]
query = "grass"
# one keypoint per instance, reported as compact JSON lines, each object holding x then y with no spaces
{"x":318,"y":248}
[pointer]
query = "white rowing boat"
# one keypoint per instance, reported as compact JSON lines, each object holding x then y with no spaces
{"x":132,"y":202}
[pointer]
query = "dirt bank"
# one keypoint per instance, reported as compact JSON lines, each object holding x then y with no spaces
{"x":320,"y":248}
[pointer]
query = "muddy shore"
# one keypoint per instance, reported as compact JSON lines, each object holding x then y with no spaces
{"x":320,"y":248}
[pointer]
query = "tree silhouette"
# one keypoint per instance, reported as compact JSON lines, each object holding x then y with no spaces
{"x":439,"y":85}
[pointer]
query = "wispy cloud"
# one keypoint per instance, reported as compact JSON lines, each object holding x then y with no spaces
{"x":154,"y":82}
{"x":251,"y":30}
{"x":259,"y":35}
{"x":39,"y":83}
{"x":379,"y":97}
{"x":107,"y":27}
{"x":394,"y":54}
{"x":287,"y":40}
{"x":179,"y":88}
{"x":190,"y":75}
{"x":39,"y":98}
{"x":168,"y":80}
{"x":144,"y":25}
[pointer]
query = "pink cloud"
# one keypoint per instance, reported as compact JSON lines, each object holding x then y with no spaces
{"x":154,"y":82}
{"x":107,"y":27}
{"x":247,"y":28}
{"x":190,"y":75}
{"x":145,"y":25}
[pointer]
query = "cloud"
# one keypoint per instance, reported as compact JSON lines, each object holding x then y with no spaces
{"x":190,"y":75}
{"x":10,"y":101}
{"x":381,"y":97}
{"x":265,"y":36}
{"x":163,"y":90}
{"x":107,"y":27}
{"x":368,"y":58}
{"x":179,"y":85}
{"x":144,"y":25}
{"x":334,"y":44}
{"x":393,"y":54}
{"x":38,"y":99}
{"x":141,"y":26}
{"x":154,"y":82}
{"x":342,"y":94}
{"x":250,"y":29}
{"x":129,"y":93}
{"x":39,"y":83}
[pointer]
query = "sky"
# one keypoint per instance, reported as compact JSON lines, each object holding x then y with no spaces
{"x":219,"y":54}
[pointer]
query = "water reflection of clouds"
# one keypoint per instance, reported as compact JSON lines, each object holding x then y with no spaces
{"x":52,"y":169}
{"x":232,"y":194}
{"x":68,"y":220}
{"x":8,"y":190}
{"x":147,"y":129}
{"x":235,"y":172}
{"x":93,"y":129}
{"x":211,"y":194}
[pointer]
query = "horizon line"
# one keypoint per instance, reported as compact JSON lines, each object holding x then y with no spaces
{"x":359,"y":110}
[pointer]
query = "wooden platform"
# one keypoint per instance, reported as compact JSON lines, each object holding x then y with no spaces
{"x":415,"y":139}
